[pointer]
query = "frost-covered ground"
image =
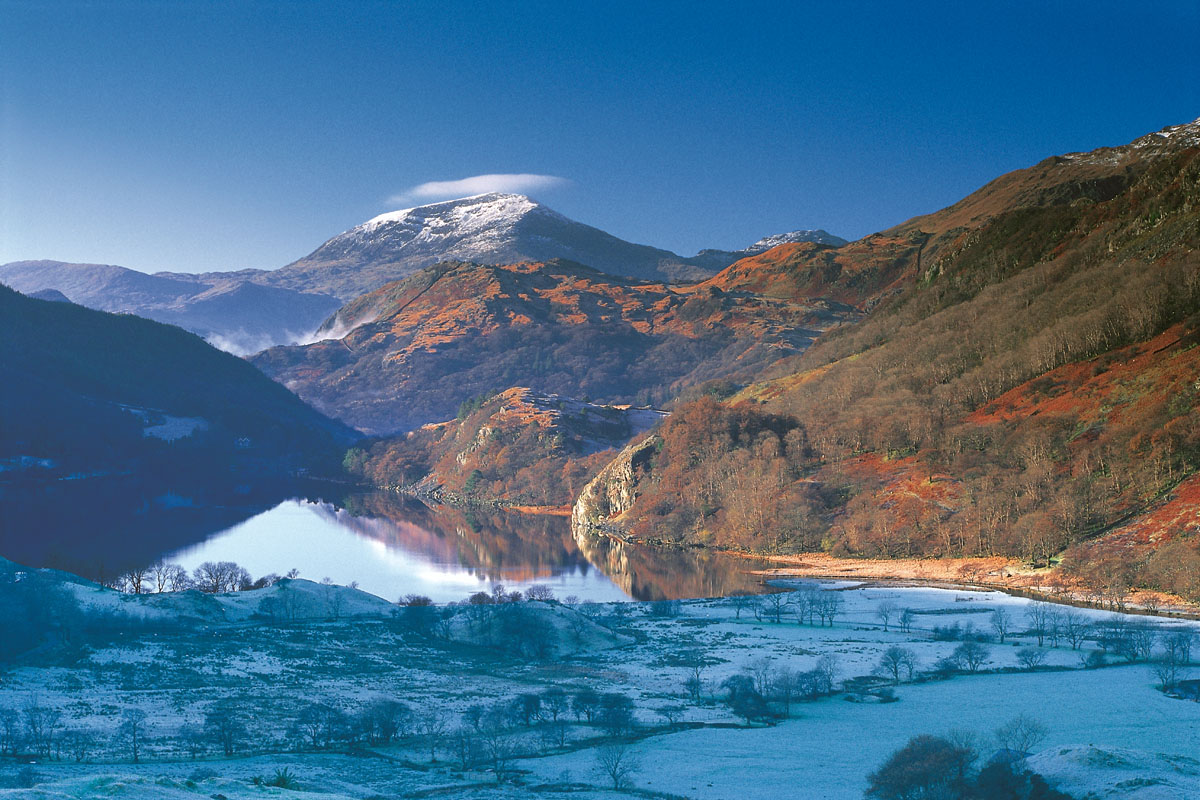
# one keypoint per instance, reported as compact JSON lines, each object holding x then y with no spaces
{"x":1109,"y":731}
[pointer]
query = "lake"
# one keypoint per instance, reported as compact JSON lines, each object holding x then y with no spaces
{"x":389,"y":544}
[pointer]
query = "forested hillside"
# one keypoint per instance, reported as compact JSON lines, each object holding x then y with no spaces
{"x":411,"y":352}
{"x":1027,"y":383}
{"x":89,"y":390}
{"x":517,"y":447}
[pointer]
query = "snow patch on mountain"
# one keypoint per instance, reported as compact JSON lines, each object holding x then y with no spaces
{"x":818,"y":236}
{"x":488,"y":216}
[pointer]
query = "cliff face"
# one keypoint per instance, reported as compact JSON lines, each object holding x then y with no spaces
{"x":613,"y":490}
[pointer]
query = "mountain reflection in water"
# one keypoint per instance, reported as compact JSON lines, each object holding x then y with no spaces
{"x":389,"y":544}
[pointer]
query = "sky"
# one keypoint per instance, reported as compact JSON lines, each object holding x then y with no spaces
{"x":195,"y":136}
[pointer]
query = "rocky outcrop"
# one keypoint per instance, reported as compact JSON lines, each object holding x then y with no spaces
{"x":613,"y":491}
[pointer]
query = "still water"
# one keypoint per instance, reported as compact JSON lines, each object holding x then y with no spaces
{"x":390,"y":545}
{"x":390,"y":557}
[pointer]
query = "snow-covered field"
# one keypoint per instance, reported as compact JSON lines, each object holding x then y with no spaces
{"x":1108,"y":731}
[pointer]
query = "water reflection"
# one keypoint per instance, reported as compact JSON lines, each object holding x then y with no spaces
{"x":404,"y":548}
{"x":389,"y":544}
{"x":100,"y":527}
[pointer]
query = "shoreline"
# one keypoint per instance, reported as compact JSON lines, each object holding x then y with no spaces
{"x":992,"y":573}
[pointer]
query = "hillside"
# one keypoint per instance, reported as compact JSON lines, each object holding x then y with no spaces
{"x":230,"y":310}
{"x":518,"y":446}
{"x":87,"y":390}
{"x":1030,"y":387}
{"x":412,"y":351}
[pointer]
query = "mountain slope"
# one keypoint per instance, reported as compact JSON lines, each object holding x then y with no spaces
{"x":228,"y":309}
{"x":490,"y":229}
{"x":109,"y":391}
{"x":518,"y":446}
{"x":1026,"y":388}
{"x":717,"y":260}
{"x":1026,"y":212}
{"x":418,"y":347}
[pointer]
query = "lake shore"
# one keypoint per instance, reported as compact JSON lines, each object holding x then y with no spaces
{"x":997,"y":572}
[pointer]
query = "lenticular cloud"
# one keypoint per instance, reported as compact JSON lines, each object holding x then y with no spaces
{"x":514,"y":183}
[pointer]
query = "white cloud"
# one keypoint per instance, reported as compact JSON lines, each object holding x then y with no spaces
{"x":519,"y":183}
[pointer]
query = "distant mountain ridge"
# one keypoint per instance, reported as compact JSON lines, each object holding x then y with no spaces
{"x":492,"y":228}
{"x":249,"y":310}
{"x":232,"y":312}
{"x":720,"y":259}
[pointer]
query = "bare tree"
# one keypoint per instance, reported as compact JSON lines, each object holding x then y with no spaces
{"x":78,"y":744}
{"x":1001,"y":623}
{"x":827,"y":668}
{"x":763,"y":674}
{"x":972,"y":655}
{"x":1166,"y":669}
{"x":132,"y":730}
{"x":1039,"y":619}
{"x":1179,"y":645}
{"x":897,"y":660}
{"x":135,"y":580}
{"x":225,"y":724}
{"x":334,"y":598}
{"x":774,"y":605}
{"x":168,"y":577}
{"x":739,"y":601}
{"x":1074,"y":627}
{"x":1031,"y":657}
{"x":42,"y":726}
{"x":1020,"y":735}
{"x":219,"y":576}
{"x":496,"y":741}
{"x":539,"y":593}
{"x":829,"y":607}
{"x":617,"y":763}
{"x":884,"y":612}
{"x":906,"y":620}
{"x":466,"y":746}
{"x":433,"y":724}
{"x":786,"y":685}
{"x":693,"y":683}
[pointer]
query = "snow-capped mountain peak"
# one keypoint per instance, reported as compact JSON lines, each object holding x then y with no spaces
{"x":818,"y":236}
{"x":466,"y":213}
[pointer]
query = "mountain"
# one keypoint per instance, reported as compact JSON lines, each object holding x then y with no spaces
{"x":409,"y":353}
{"x":1017,"y":211}
{"x":860,"y":273}
{"x":53,"y":295}
{"x":1024,"y":386}
{"x":518,"y":446}
{"x":717,"y":260}
{"x":229,"y":309}
{"x":249,"y":310}
{"x":489,"y":229}
{"x":86,"y":391}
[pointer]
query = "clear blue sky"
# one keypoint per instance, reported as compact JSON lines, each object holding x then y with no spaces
{"x":207,"y":135}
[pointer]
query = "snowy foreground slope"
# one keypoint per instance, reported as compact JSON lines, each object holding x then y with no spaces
{"x":270,"y":657}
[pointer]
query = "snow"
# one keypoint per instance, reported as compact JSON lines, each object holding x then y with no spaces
{"x":21,"y":463}
{"x":1119,"y":772}
{"x":467,"y":215}
{"x":819,"y":236}
{"x":1109,"y":731}
{"x":174,"y":428}
{"x":1169,"y":139}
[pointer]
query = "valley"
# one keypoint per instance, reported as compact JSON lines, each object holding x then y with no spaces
{"x":349,"y":696}
{"x":545,"y":502}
